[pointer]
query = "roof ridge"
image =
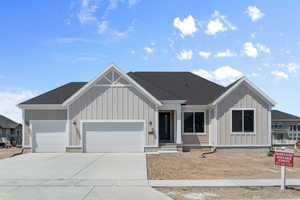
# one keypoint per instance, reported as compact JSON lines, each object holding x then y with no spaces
{"x":164,"y":90}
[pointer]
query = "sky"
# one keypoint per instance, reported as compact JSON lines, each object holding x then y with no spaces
{"x":45,"y":44}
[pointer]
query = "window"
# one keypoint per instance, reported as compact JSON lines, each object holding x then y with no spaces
{"x":243,"y":121}
{"x":293,"y":127}
{"x":194,"y":122}
{"x":298,"y":127}
{"x":276,"y":125}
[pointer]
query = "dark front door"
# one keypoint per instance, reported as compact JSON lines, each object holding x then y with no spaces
{"x":165,"y":127}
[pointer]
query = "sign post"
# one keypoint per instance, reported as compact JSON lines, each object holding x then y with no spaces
{"x":284,"y":158}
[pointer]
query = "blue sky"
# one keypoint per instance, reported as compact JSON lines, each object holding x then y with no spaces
{"x":45,"y":44}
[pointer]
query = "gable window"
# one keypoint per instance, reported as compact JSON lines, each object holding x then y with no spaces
{"x":242,"y":121}
{"x":194,"y":122}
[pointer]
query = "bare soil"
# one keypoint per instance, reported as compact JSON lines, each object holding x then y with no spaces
{"x":231,"y":193}
{"x":220,"y":165}
{"x":6,"y":153}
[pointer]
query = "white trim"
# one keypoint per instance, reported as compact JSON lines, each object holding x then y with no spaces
{"x":91,"y":83}
{"x":103,"y":121}
{"x":270,"y":125}
{"x":254,"y":122}
{"x":173,"y":101}
{"x":195,"y":133}
{"x":244,"y":79}
{"x":68,"y":125}
{"x":216,"y":126}
{"x":23,"y":128}
{"x":156,"y":132}
{"x":178,"y":119}
{"x":37,"y":121}
{"x":42,"y":106}
{"x":112,"y":85}
{"x":199,"y":107}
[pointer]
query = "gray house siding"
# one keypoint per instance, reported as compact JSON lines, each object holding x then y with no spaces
{"x":111,"y":103}
{"x":243,"y":97}
{"x":40,"y":115}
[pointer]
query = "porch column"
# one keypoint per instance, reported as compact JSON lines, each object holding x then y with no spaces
{"x":178,"y":129}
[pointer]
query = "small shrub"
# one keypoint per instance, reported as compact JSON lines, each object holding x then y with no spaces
{"x":270,"y":153}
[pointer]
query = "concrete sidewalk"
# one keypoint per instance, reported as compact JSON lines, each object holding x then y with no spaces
{"x":222,"y":183}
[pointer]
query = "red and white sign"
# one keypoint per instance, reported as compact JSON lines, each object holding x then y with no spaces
{"x":284,"y":157}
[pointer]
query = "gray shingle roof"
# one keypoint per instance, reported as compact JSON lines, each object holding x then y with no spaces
{"x":162,"y":85}
{"x":179,"y":86}
{"x":279,"y":115}
{"x":7,"y":123}
{"x":56,"y":96}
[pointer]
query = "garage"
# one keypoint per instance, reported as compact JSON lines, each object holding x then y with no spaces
{"x":48,"y":136}
{"x":113,"y":136}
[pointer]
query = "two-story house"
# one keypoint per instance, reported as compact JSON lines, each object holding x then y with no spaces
{"x":285,"y":128}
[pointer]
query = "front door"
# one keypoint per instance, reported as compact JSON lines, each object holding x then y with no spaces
{"x":165,"y":127}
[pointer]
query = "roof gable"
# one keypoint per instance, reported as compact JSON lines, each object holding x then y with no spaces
{"x":115,"y":77}
{"x":236,"y":84}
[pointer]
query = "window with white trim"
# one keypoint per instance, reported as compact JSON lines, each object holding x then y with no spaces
{"x":194,"y":122}
{"x":242,"y":121}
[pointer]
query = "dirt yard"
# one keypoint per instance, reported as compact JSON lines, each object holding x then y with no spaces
{"x":230,"y":193}
{"x":6,"y":153}
{"x":220,"y":165}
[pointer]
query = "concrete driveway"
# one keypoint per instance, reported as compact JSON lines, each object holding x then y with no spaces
{"x":76,"y":176}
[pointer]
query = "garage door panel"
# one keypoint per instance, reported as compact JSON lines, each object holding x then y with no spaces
{"x":49,"y":136}
{"x":114,"y":136}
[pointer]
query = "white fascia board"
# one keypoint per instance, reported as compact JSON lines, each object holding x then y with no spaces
{"x":256,"y":89}
{"x":173,"y":101}
{"x":197,"y":106}
{"x":42,"y":106}
{"x":91,"y":83}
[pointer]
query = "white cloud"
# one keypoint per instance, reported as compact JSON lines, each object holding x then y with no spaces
{"x":253,"y":35}
{"x":124,"y":33}
{"x":263,"y":48}
{"x":204,"y":54}
{"x":290,"y":67}
{"x":9,"y":99}
{"x":87,"y":10}
{"x":250,"y":50}
{"x":185,"y":55}
{"x":132,"y":52}
{"x":223,"y":75}
{"x":218,"y":23}
{"x":254,"y":13}
{"x":226,"y":53}
{"x":280,"y":75}
{"x":149,"y":49}
{"x":102,"y":26}
{"x":133,"y":2}
{"x":187,"y":26}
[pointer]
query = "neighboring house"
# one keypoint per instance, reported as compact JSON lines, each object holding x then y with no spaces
{"x":143,"y":111}
{"x":285,"y":128}
{"x":10,"y":132}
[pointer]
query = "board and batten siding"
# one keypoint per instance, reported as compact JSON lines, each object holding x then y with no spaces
{"x":243,"y":97}
{"x":40,"y":115}
{"x":112,"y":103}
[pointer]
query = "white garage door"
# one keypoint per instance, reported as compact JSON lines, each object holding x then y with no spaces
{"x":121,"y":136}
{"x":49,"y":136}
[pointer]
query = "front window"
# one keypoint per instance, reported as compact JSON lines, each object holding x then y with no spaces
{"x":243,"y":121}
{"x":194,"y":122}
